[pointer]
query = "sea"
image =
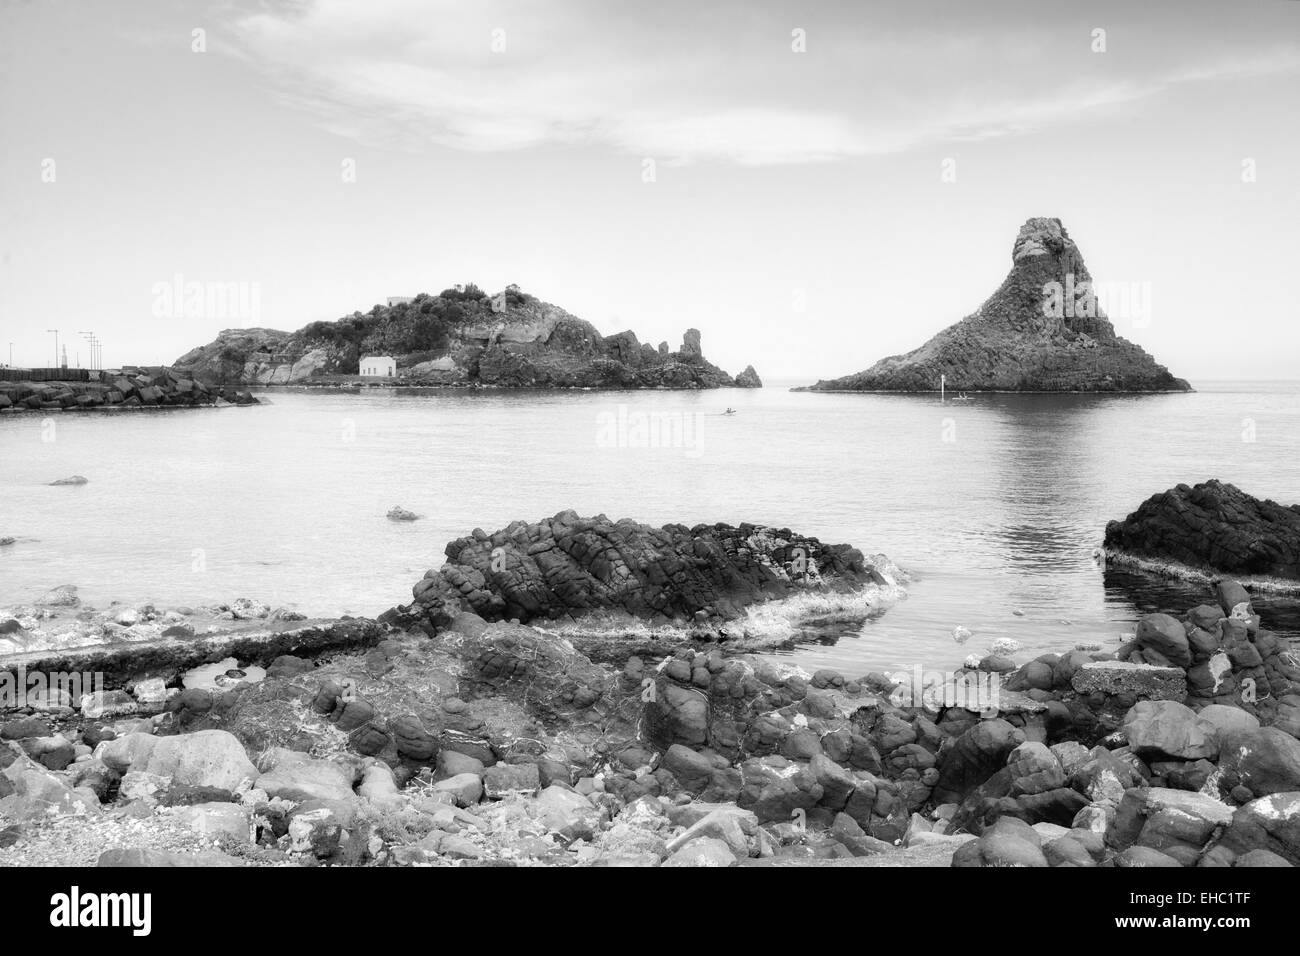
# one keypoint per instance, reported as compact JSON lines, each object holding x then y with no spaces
{"x":994,"y":507}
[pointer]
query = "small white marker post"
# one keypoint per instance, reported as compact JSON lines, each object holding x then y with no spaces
{"x":942,"y":379}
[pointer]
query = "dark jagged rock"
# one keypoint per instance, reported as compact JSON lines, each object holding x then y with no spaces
{"x":1213,"y":527}
{"x":568,"y":564}
{"x":748,"y":378}
{"x":461,"y":336}
{"x":1041,"y":331}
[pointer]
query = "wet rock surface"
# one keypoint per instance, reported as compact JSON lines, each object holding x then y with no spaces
{"x":1213,"y":527}
{"x":570,"y":566}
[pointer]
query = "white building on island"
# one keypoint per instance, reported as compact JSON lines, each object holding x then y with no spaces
{"x":378,"y":366}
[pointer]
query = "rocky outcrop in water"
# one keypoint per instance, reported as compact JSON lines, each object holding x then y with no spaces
{"x":1041,"y":331}
{"x":570,"y":565}
{"x":459,"y":337}
{"x":1213,"y":527}
{"x":748,"y":378}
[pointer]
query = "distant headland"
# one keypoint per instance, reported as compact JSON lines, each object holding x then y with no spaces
{"x":460,"y":337}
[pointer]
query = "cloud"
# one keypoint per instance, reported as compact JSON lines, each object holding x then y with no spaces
{"x":682,"y":85}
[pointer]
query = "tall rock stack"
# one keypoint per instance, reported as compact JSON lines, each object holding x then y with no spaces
{"x":1041,"y":331}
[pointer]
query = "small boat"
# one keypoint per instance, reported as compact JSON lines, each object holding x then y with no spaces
{"x":729,"y":411}
{"x":963,"y":397}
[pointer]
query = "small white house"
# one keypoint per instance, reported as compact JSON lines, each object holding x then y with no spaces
{"x":378,"y":366}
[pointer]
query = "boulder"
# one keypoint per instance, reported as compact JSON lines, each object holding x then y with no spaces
{"x":566,"y":812}
{"x":1162,"y":818}
{"x":504,"y":779}
{"x":217,"y":820}
{"x":1008,"y":843}
{"x":1269,"y":823}
{"x":706,"y":851}
{"x":65,"y":595}
{"x":1165,"y":636}
{"x":974,"y":757}
{"x":1143,"y":681}
{"x":297,"y":776}
{"x":1170,"y":729}
{"x":775,"y":788}
{"x":1227,"y":720}
{"x":206,"y":758}
{"x":1144,"y":856}
{"x":466,"y":789}
{"x":1264,"y":761}
{"x":28,"y":791}
{"x":720,"y":824}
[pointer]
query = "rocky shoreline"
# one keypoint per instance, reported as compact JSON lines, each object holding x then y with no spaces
{"x":1212,"y":529}
{"x":445,"y":738}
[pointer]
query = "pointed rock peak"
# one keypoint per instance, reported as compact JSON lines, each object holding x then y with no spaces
{"x":1045,"y":245}
{"x":1042,"y":330}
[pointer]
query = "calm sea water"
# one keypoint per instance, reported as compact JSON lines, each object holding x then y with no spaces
{"x":993,"y":506}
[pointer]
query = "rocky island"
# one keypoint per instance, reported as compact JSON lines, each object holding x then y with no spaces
{"x":460,"y":337}
{"x":1041,"y":331}
{"x":1211,"y":529}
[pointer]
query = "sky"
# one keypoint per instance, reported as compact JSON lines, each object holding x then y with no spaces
{"x":812,"y":185}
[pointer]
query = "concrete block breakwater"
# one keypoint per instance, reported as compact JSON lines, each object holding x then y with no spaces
{"x":148,"y":389}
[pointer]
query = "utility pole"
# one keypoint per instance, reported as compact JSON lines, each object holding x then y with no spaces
{"x":94,"y":348}
{"x":56,"y":346}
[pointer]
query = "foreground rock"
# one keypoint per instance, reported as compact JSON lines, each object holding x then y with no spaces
{"x":472,"y":742}
{"x":462,"y":337}
{"x":570,"y":566}
{"x":1210,"y":528}
{"x":1041,"y":331}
